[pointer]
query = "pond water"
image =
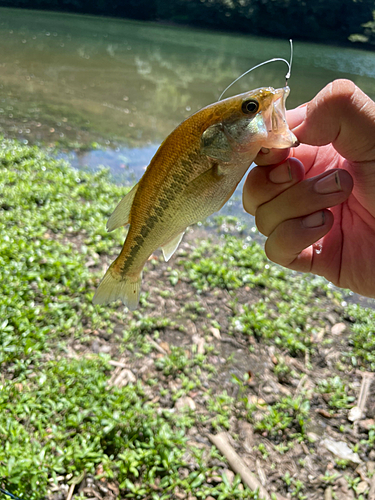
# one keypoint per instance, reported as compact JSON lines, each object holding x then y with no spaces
{"x":108,"y":91}
{"x":88,"y":81}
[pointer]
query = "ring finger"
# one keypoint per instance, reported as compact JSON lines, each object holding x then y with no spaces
{"x":309,"y":196}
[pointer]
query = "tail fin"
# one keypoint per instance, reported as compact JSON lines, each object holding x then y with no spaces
{"x":114,"y":287}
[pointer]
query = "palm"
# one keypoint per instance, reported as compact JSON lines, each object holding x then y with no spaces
{"x":337,"y":132}
{"x":345,"y":256}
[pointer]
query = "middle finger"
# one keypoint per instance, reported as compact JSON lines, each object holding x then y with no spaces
{"x":309,"y":196}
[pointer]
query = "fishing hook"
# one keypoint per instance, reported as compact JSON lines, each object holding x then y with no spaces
{"x":287,"y":76}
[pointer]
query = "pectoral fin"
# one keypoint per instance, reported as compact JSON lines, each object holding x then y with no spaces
{"x":208,"y":192}
{"x":217,"y":170}
{"x":215,"y":144}
{"x":121,"y":214}
{"x":170,"y":247}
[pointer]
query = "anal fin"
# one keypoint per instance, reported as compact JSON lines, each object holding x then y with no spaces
{"x":170,"y":247}
{"x":121,"y":214}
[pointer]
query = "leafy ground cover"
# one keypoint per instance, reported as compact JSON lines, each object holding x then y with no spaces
{"x":97,"y":402}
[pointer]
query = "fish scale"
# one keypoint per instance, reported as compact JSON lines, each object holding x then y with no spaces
{"x":193,"y":173}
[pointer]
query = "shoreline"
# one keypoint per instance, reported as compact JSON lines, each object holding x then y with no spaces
{"x":109,"y":403}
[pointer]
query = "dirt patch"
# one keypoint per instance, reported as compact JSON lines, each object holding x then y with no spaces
{"x":278,"y":409}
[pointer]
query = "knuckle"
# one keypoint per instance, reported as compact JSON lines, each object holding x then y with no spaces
{"x":261,"y":222}
{"x":248,"y":200}
{"x":337,"y":94}
{"x":248,"y":206}
{"x":273,"y":157}
{"x":271,"y":252}
{"x":250,"y":183}
{"x":253,"y":189}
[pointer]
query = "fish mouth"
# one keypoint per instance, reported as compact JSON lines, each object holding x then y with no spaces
{"x":279,"y":134}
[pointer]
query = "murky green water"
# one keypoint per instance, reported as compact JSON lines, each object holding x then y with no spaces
{"x":75,"y":80}
{"x":78,"y":79}
{"x":88,"y":78}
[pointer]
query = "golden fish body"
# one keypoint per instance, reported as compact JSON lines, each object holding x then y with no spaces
{"x":193,"y":173}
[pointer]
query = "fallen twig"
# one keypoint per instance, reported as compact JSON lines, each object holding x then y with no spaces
{"x":112,"y":362}
{"x":234,"y":342}
{"x":371,"y":493}
{"x":301,"y":383}
{"x":365,"y":388}
{"x":71,"y":491}
{"x":260,"y":471}
{"x":325,"y":413}
{"x":237,"y":464}
{"x":357,"y":412}
{"x":328,"y":493}
{"x":121,"y":378}
{"x":156,"y":345}
{"x":297,"y":364}
{"x":91,"y":491}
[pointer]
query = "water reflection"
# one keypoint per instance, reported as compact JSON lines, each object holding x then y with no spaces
{"x":70,"y":78}
{"x":127,"y":165}
{"x":75,"y":80}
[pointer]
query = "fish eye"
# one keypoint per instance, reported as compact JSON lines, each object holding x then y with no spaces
{"x":250,"y":106}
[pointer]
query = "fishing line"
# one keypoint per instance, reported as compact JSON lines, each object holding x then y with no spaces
{"x":9,"y":494}
{"x":287,"y":76}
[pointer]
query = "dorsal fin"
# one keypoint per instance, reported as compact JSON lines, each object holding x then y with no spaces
{"x":121,"y":214}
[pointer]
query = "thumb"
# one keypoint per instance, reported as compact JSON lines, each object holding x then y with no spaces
{"x":343,"y":115}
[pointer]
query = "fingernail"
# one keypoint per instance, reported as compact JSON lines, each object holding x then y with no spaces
{"x":281,"y":174}
{"x":265,"y":151}
{"x":314,"y":220}
{"x":329,"y":184}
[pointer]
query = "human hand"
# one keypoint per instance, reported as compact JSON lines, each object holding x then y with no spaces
{"x":334,"y":168}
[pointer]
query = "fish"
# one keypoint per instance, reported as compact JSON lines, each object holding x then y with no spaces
{"x":192,"y":175}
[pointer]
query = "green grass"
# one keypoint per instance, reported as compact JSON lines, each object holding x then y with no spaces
{"x":58,"y":414}
{"x":337,"y":392}
{"x":45,"y":284}
{"x":362,"y":338}
{"x":282,"y":417}
{"x":290,"y":312}
{"x":66,"y":420}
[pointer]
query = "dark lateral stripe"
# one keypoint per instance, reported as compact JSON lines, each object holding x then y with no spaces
{"x":179,"y":182}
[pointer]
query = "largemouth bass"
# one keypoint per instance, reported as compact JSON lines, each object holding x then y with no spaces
{"x":193,"y":174}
